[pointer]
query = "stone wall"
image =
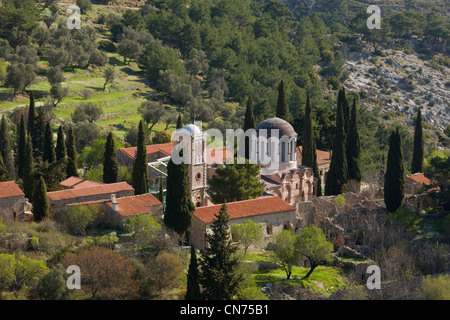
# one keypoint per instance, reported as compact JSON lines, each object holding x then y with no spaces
{"x":11,"y":205}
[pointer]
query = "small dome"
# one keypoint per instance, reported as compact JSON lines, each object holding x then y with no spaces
{"x":284,"y":127}
{"x":192,"y":129}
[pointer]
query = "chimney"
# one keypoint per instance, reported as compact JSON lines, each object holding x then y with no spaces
{"x":115,"y":204}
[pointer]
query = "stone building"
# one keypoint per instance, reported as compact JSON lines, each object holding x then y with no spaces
{"x":77,"y":183}
{"x":274,"y":213}
{"x":416,"y":182}
{"x":59,"y":199}
{"x":13,"y":204}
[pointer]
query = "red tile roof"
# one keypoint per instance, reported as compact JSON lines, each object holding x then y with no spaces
{"x":323,"y":157}
{"x":76,"y":183}
{"x":245,"y":208}
{"x":10,"y":189}
{"x":419,"y":177}
{"x":90,"y":191}
{"x":134,"y":205}
{"x":165,"y":148}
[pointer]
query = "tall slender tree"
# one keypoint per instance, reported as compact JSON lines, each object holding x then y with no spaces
{"x":28,"y":170}
{"x":31,"y":114}
{"x":282,"y":106}
{"x":353,"y":147}
{"x":110,"y":165}
{"x":60,"y":150}
{"x":179,"y":121}
{"x":140,"y":168}
{"x":193,"y":287}
{"x":3,"y":171}
{"x":343,"y":103}
{"x":21,"y":145}
{"x":307,"y":144}
{"x":337,"y":175}
{"x":394,"y":179}
{"x":161,"y":190}
{"x":417,"y":159}
{"x":72,"y":169}
{"x":180,"y":209}
{"x":49,"y":149}
{"x":5,"y":148}
{"x":218,"y":276}
{"x":40,"y":201}
{"x":249,"y":123}
{"x":315,"y":169}
{"x":38,"y":134}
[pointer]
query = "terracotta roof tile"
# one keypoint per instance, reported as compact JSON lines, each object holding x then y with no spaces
{"x":90,"y":191}
{"x":134,"y":205}
{"x":10,"y":189}
{"x":165,"y":148}
{"x":419,"y":177}
{"x":246,"y":208}
{"x":322,"y":156}
{"x":76,"y":183}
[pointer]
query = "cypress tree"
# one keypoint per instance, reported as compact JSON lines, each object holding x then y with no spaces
{"x":5,"y":149}
{"x":417,"y":159}
{"x":282,"y":107}
{"x":140,"y":168}
{"x":3,"y":171}
{"x":71,"y":169}
{"x":38,"y":135}
{"x":394,"y":179}
{"x":161,"y":190}
{"x":40,"y":201}
{"x":193,"y":287}
{"x":28,"y":170}
{"x":343,"y":103}
{"x":308,"y":153}
{"x":110,"y":166}
{"x":179,"y":122}
{"x":60,"y":150}
{"x":218,"y":276}
{"x":31,"y":115}
{"x":337,"y":175}
{"x":180,"y":209}
{"x":354,"y":147}
{"x":49,"y":150}
{"x":21,"y":144}
{"x":249,"y":123}
{"x":315,"y":169}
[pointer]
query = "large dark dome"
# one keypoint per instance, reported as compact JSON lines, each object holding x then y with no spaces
{"x":284,"y":127}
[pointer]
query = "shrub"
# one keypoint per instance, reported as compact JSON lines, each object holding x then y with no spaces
{"x":77,"y":218}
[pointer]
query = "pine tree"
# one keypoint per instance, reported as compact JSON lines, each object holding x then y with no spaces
{"x":282,"y":107}
{"x":5,"y":149}
{"x":28,"y":170}
{"x":21,"y":145}
{"x":49,"y":149}
{"x":193,"y":287}
{"x":417,"y":160}
{"x":40,"y":201}
{"x":3,"y":171}
{"x":394,"y":179}
{"x":218,"y":276}
{"x":337,"y":175}
{"x":307,"y":144}
{"x":179,"y":121}
{"x":110,"y":166}
{"x":353,"y":147}
{"x":180,"y":209}
{"x":140,"y":168}
{"x":72,"y":170}
{"x":60,"y":150}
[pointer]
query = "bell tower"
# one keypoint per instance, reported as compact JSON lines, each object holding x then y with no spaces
{"x":196,"y":157}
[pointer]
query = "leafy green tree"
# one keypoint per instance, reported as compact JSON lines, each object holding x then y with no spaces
{"x":140,"y":168}
{"x":49,"y":150}
{"x":72,"y":170}
{"x":394,"y":179}
{"x":144,"y":229}
{"x":60,"y":150}
{"x":40,"y":201}
{"x":7,"y":261}
{"x":312,"y":244}
{"x":180,"y":209}
{"x":109,"y":76}
{"x":418,"y":151}
{"x":179,"y":121}
{"x":77,"y":218}
{"x":285,"y":251}
{"x":248,"y":233}
{"x":218,"y":276}
{"x":193,"y":287}
{"x":87,"y":112}
{"x":110,"y":165}
{"x":19,"y":76}
{"x":353,"y":147}
{"x":235,"y":182}
{"x":162,"y":137}
{"x":53,"y":286}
